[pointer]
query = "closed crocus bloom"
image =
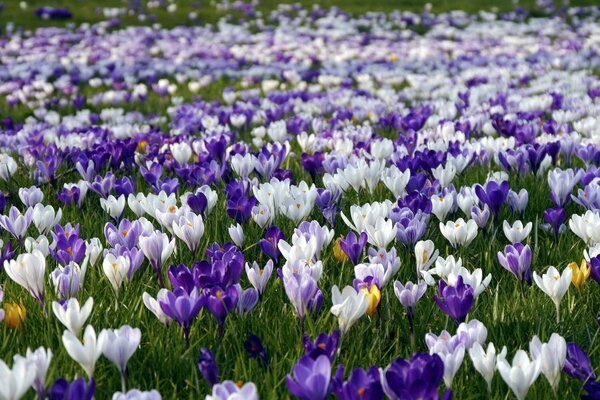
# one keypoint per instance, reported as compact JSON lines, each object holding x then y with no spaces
{"x":113,"y":206}
{"x":157,"y":248}
{"x":39,"y":361}
{"x":44,"y":218}
{"x":455,"y":301}
{"x":484,"y":361}
{"x":259,"y":277}
{"x":382,"y":233}
{"x":119,"y":345}
{"x":85,"y":352}
{"x":71,"y":315}
{"x":236,"y":233}
{"x":31,"y":196}
{"x":425,"y":255}
{"x":580,"y":273}
{"x":408,"y":295}
{"x":552,"y":356}
{"x":555,"y":285}
{"x":516,"y":233}
{"x":229,"y":390}
{"x":115,"y":269}
{"x":417,"y":378}
{"x":517,"y":259}
{"x":28,"y":270}
{"x":310,"y":379}
{"x":521,"y":374}
{"x":348,"y":305}
{"x":578,"y":364}
{"x":459,"y":232}
{"x":15,"y":381}
{"x":373,"y":293}
{"x":189,"y":228}
{"x":153,"y":304}
{"x":14,"y":315}
{"x":182,"y":152}
{"x":338,"y":252}
{"x":8,"y":166}
{"x":17,"y":223}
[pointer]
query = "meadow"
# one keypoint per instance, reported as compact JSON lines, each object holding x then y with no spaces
{"x":151,"y":153}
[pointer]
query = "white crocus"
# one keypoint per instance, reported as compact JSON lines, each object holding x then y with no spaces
{"x":521,"y":374}
{"x":381,"y":233}
{"x":459,"y":232}
{"x":555,"y":285}
{"x":484,"y":361}
{"x":552,"y":356}
{"x":115,"y":269}
{"x":16,"y":380}
{"x":516,"y":233}
{"x":189,"y":228}
{"x":236,"y":233}
{"x":71,"y":315}
{"x":113,"y":206}
{"x":85,"y":352}
{"x":348,"y":306}
{"x":259,"y":277}
{"x":28,"y":270}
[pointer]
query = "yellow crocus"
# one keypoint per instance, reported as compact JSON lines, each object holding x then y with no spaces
{"x":338,"y":253}
{"x":580,"y":273}
{"x":374,"y":295}
{"x":14,"y":315}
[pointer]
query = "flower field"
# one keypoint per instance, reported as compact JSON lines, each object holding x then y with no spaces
{"x":247,"y":200}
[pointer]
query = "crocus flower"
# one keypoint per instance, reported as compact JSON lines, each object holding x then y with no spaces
{"x":247,"y":299}
{"x":16,"y":381}
{"x":220,"y":302}
{"x":552,"y":357}
{"x":182,"y":307}
{"x":189,"y":228}
{"x":115,"y":269}
{"x":269,"y":245}
{"x":518,"y":232}
{"x":354,"y":247}
{"x":14,"y":315}
{"x":459,"y":232}
{"x":39,"y":361}
{"x":580,"y":273}
{"x":135,"y":394}
{"x":229,"y":390}
{"x":157,"y":248}
{"x":236,"y":233}
{"x":455,"y":301}
{"x":577,"y":364}
{"x":595,"y":268}
{"x":300,"y":288}
{"x":76,"y":390}
{"x":324,"y":344}
{"x":555,"y":285}
{"x":311,"y":378}
{"x":361,"y":384}
{"x":17,"y":223}
{"x":256,"y":350}
{"x":418,"y":378}
{"x":370,"y":288}
{"x":85,"y":353}
{"x":348,"y":305}
{"x":71,"y":315}
{"x":408,"y":295}
{"x":207,"y":366}
{"x":66,"y":281}
{"x":493,"y":194}
{"x":28,"y":270}
{"x":555,"y":218}
{"x":119,"y":345}
{"x":517,"y":260}
{"x":484,"y":361}
{"x":259,"y":277}
{"x":521,"y":374}
{"x":113,"y":206}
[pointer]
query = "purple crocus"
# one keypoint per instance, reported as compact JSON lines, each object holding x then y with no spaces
{"x":595,"y":268}
{"x":220,"y":302}
{"x":182,"y":307}
{"x":578,"y":364}
{"x":555,"y":218}
{"x":353,"y":247}
{"x":17,"y":223}
{"x":181,"y":277}
{"x":69,"y":196}
{"x":269,"y":244}
{"x":480,"y":216}
{"x":68,"y":246}
{"x":410,"y":225}
{"x":517,"y":260}
{"x":127,"y":234}
{"x":197,"y":202}
{"x":455,"y":301}
{"x":360,"y":385}
{"x":256,"y":350}
{"x":207,"y":366}
{"x":324,"y":344}
{"x":494,"y":195}
{"x":76,"y":390}
{"x":418,"y":378}
{"x":311,"y":378}
{"x":300,"y":288}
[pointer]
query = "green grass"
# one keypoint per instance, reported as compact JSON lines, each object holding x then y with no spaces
{"x":163,"y":362}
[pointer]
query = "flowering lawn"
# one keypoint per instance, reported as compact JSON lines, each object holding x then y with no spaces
{"x":299,"y":202}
